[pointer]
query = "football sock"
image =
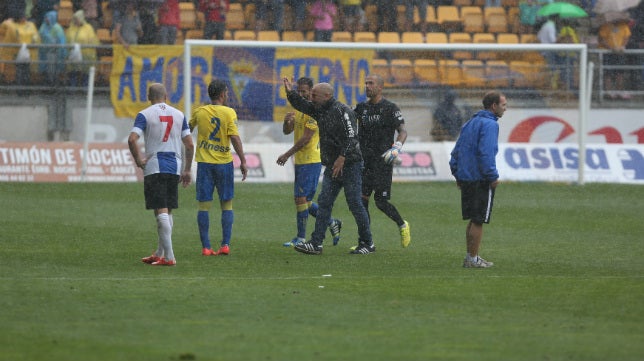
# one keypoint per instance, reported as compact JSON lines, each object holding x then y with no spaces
{"x":227,"y":218}
{"x":313,"y":209}
{"x":302,"y":217}
{"x":203,"y":221}
{"x":165,"y":235}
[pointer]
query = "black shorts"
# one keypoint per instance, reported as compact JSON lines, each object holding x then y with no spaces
{"x":161,"y":190}
{"x":376,"y":178}
{"x":476,"y":201}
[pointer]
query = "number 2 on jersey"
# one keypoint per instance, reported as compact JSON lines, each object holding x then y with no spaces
{"x":217,"y":122}
{"x":168,"y":127}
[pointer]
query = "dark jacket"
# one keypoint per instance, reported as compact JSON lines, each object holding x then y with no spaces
{"x":337,"y":125}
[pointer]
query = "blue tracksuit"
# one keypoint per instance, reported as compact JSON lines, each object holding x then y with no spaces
{"x":473,"y":157}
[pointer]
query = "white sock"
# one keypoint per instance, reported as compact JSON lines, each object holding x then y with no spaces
{"x":164,"y":228}
{"x":472,"y":258}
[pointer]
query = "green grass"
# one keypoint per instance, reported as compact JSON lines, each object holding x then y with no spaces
{"x":568,"y":280}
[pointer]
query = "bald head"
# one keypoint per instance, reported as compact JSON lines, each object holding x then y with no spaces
{"x":321,"y":93}
{"x":373,"y":87}
{"x":156,"y":93}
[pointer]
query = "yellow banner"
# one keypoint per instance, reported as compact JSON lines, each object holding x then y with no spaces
{"x":254,"y":76}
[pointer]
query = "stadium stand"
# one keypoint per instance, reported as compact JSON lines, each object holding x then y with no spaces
{"x":65,"y":12}
{"x":426,"y":70}
{"x":448,"y":17}
{"x":458,"y":38}
{"x":402,"y":71}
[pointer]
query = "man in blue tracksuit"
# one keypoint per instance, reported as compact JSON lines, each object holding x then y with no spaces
{"x":473,"y":164}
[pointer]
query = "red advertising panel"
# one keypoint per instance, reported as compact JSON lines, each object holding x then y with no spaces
{"x":63,"y":162}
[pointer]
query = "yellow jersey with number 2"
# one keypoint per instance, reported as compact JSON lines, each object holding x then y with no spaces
{"x":215,"y":124}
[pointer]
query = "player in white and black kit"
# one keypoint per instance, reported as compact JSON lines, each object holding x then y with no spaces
{"x":378,"y":121}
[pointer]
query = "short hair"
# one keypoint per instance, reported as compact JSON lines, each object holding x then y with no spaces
{"x":216,"y":88}
{"x":379,"y":80}
{"x":490,"y":98}
{"x":156,"y":92}
{"x":305,"y":81}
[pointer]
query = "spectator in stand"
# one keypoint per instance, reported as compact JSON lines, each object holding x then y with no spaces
{"x":127,"y":26}
{"x":299,"y":11}
{"x":323,"y":13}
{"x":567,"y":35}
{"x":636,"y":41}
{"x":42,"y":7}
{"x":147,"y":13}
{"x":548,"y":35}
{"x":52,"y":59}
{"x":91,"y":9}
{"x":614,"y":36}
{"x":215,"y":11}
{"x":492,"y":3}
{"x":169,"y":22}
{"x":263,"y":7}
{"x":19,"y":31}
{"x":351,"y":10}
{"x":81,"y":32}
{"x":448,"y":118}
{"x":422,"y":14}
{"x":387,"y":15}
{"x":528,"y":10}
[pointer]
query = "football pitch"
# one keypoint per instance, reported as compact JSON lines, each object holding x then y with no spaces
{"x":567,"y":281}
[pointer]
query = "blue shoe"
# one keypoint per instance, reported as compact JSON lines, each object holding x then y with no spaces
{"x":335,"y":227}
{"x":294,"y":241}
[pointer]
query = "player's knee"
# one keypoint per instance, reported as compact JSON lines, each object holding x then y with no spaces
{"x":205,"y":206}
{"x":227,"y":205}
{"x":382,"y":203}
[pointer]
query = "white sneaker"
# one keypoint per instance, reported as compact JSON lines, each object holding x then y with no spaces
{"x":479,"y":263}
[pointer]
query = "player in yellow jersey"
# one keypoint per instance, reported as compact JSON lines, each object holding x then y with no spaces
{"x":306,"y":149}
{"x":216,"y":130}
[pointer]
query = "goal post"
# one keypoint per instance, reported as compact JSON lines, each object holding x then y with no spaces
{"x":414,"y":51}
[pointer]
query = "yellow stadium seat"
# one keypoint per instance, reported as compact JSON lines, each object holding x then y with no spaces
{"x":448,"y":17}
{"x":292,"y":35}
{"x":381,"y":67}
{"x":470,"y":10}
{"x":497,"y":73}
{"x":450,"y":72}
{"x":364,"y":37}
{"x":388,"y":37}
{"x":341,"y":37}
{"x":268,"y":35}
{"x":473,"y":23}
{"x":496,"y":23}
{"x":456,"y":38}
{"x":244,"y":35}
{"x":484,"y":38}
{"x":65,"y":12}
{"x":371,"y":14}
{"x":473,"y":73}
{"x":528,"y":75}
{"x":412,"y":37}
{"x":513,"y":20}
{"x":187,"y":15}
{"x":194,"y":34}
{"x":249,"y":15}
{"x":235,"y":19}
{"x":426,"y":70}
{"x":402,"y":71}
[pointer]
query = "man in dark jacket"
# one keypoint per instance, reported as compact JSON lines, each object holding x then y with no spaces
{"x":341,"y":156}
{"x":473,"y":164}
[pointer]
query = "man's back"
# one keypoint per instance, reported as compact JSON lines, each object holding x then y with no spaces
{"x":215,"y":123}
{"x":163,"y":129}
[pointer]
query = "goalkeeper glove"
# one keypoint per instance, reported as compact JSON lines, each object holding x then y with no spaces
{"x":391,"y":156}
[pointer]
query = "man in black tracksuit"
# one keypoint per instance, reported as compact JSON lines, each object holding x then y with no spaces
{"x":341,"y":156}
